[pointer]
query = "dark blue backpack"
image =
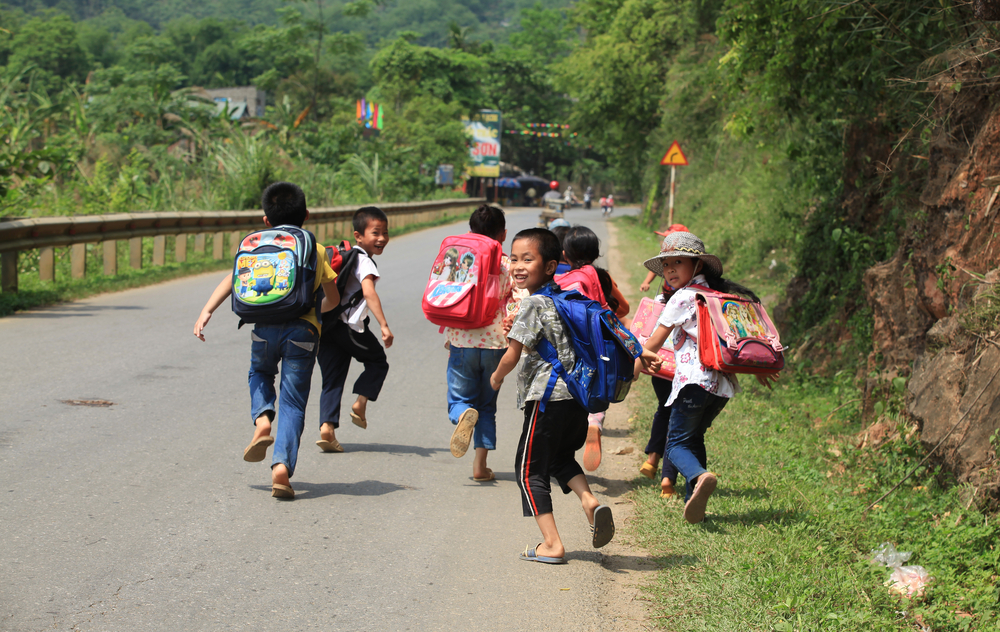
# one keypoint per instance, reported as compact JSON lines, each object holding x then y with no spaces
{"x":274,"y":274}
{"x":605,"y":351}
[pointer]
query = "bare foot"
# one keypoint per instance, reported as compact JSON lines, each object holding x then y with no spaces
{"x":263,"y":426}
{"x":479,"y":469}
{"x":327,"y":433}
{"x":360,"y":407}
{"x":279,"y":475}
{"x":545,"y":551}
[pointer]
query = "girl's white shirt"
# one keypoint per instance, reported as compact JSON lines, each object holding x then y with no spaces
{"x":681,"y":312}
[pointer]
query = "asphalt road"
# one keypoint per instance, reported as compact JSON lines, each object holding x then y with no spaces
{"x":142,"y":515}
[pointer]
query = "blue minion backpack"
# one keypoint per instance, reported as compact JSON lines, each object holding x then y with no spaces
{"x":605,"y":352}
{"x":274,"y":274}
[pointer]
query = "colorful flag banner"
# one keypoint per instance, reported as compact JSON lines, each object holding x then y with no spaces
{"x":369,"y":114}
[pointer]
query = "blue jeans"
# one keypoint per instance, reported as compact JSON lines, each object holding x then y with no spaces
{"x":293,"y":345}
{"x":691,"y":415}
{"x":469,"y":372}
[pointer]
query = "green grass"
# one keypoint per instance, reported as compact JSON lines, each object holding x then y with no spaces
{"x":33,"y":293}
{"x":787,"y":542}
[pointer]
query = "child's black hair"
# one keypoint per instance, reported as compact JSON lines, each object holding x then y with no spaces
{"x":582,"y":247}
{"x":721,"y":284}
{"x":284,"y":203}
{"x":547,"y":243}
{"x":366,"y":214}
{"x":489,"y":221}
{"x":559,"y":232}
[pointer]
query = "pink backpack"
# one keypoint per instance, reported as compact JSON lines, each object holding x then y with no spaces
{"x":463,"y":290}
{"x":735,"y":335}
{"x":584,"y":280}
{"x":643,"y":325}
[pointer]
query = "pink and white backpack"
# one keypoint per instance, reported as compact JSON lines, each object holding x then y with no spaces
{"x":463,"y":290}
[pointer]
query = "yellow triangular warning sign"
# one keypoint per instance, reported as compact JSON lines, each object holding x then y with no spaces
{"x":674,"y":156}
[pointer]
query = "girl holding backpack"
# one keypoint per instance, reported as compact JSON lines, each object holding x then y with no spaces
{"x":698,"y":393}
{"x":581,"y":248}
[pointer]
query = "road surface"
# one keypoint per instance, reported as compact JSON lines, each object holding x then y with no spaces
{"x":142,"y":515}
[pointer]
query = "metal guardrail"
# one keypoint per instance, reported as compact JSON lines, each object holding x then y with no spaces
{"x":46,"y":233}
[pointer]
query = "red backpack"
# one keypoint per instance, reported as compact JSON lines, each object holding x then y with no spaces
{"x":463,"y":290}
{"x":585,"y":281}
{"x":735,"y":335}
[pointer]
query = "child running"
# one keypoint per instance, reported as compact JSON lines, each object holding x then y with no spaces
{"x":661,"y":418}
{"x":348,"y":335}
{"x":549,"y":438}
{"x":473,"y":357}
{"x":581,"y":248}
{"x":698,"y":394}
{"x":291,"y":344}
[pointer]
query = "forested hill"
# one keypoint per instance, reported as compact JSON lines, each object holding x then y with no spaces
{"x":485,"y":20}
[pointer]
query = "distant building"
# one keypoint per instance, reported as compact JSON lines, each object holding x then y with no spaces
{"x":248,"y":101}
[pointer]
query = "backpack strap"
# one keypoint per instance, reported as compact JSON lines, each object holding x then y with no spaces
{"x":548,"y":352}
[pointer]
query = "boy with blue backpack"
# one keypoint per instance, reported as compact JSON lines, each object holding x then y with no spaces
{"x":579,"y":360}
{"x":286,"y":324}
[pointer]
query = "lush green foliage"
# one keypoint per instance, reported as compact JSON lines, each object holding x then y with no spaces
{"x":787,"y":543}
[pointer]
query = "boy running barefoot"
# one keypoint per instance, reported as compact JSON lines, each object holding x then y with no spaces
{"x":348,"y":335}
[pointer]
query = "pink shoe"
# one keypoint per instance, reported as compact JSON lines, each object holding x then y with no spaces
{"x":592,"y":449}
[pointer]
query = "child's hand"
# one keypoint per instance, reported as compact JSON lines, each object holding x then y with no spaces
{"x":199,"y":324}
{"x":766,"y":380}
{"x":507,"y":323}
{"x":651,"y":361}
{"x":386,"y":336}
{"x":644,"y":287}
{"x":495,"y":383}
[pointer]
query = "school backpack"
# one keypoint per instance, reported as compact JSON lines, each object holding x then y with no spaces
{"x":274,"y":273}
{"x":343,"y":258}
{"x":585,"y":281}
{"x":605,"y":352}
{"x":463,"y":289}
{"x":642,"y":328}
{"x":735,"y":334}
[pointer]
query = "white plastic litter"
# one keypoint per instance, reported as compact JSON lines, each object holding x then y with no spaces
{"x":908,"y":581}
{"x":905,"y":581}
{"x":887,"y":555}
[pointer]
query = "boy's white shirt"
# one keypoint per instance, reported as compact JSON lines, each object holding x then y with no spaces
{"x":355,"y":317}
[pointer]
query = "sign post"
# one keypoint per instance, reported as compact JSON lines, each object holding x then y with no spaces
{"x":675,"y":158}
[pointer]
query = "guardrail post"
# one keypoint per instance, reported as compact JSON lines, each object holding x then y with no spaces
{"x":199,"y":243}
{"x":217,"y":245}
{"x":320,"y":233}
{"x":180,"y":248}
{"x":135,"y":253}
{"x":8,"y":271}
{"x":234,"y":243}
{"x":111,"y":258}
{"x":78,"y":261}
{"x":47,"y":264}
{"x":159,"y":250}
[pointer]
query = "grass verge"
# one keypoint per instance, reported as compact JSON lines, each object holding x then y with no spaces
{"x":34,"y":293}
{"x":787,"y":542}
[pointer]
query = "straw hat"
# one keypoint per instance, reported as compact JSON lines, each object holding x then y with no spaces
{"x":683,"y":244}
